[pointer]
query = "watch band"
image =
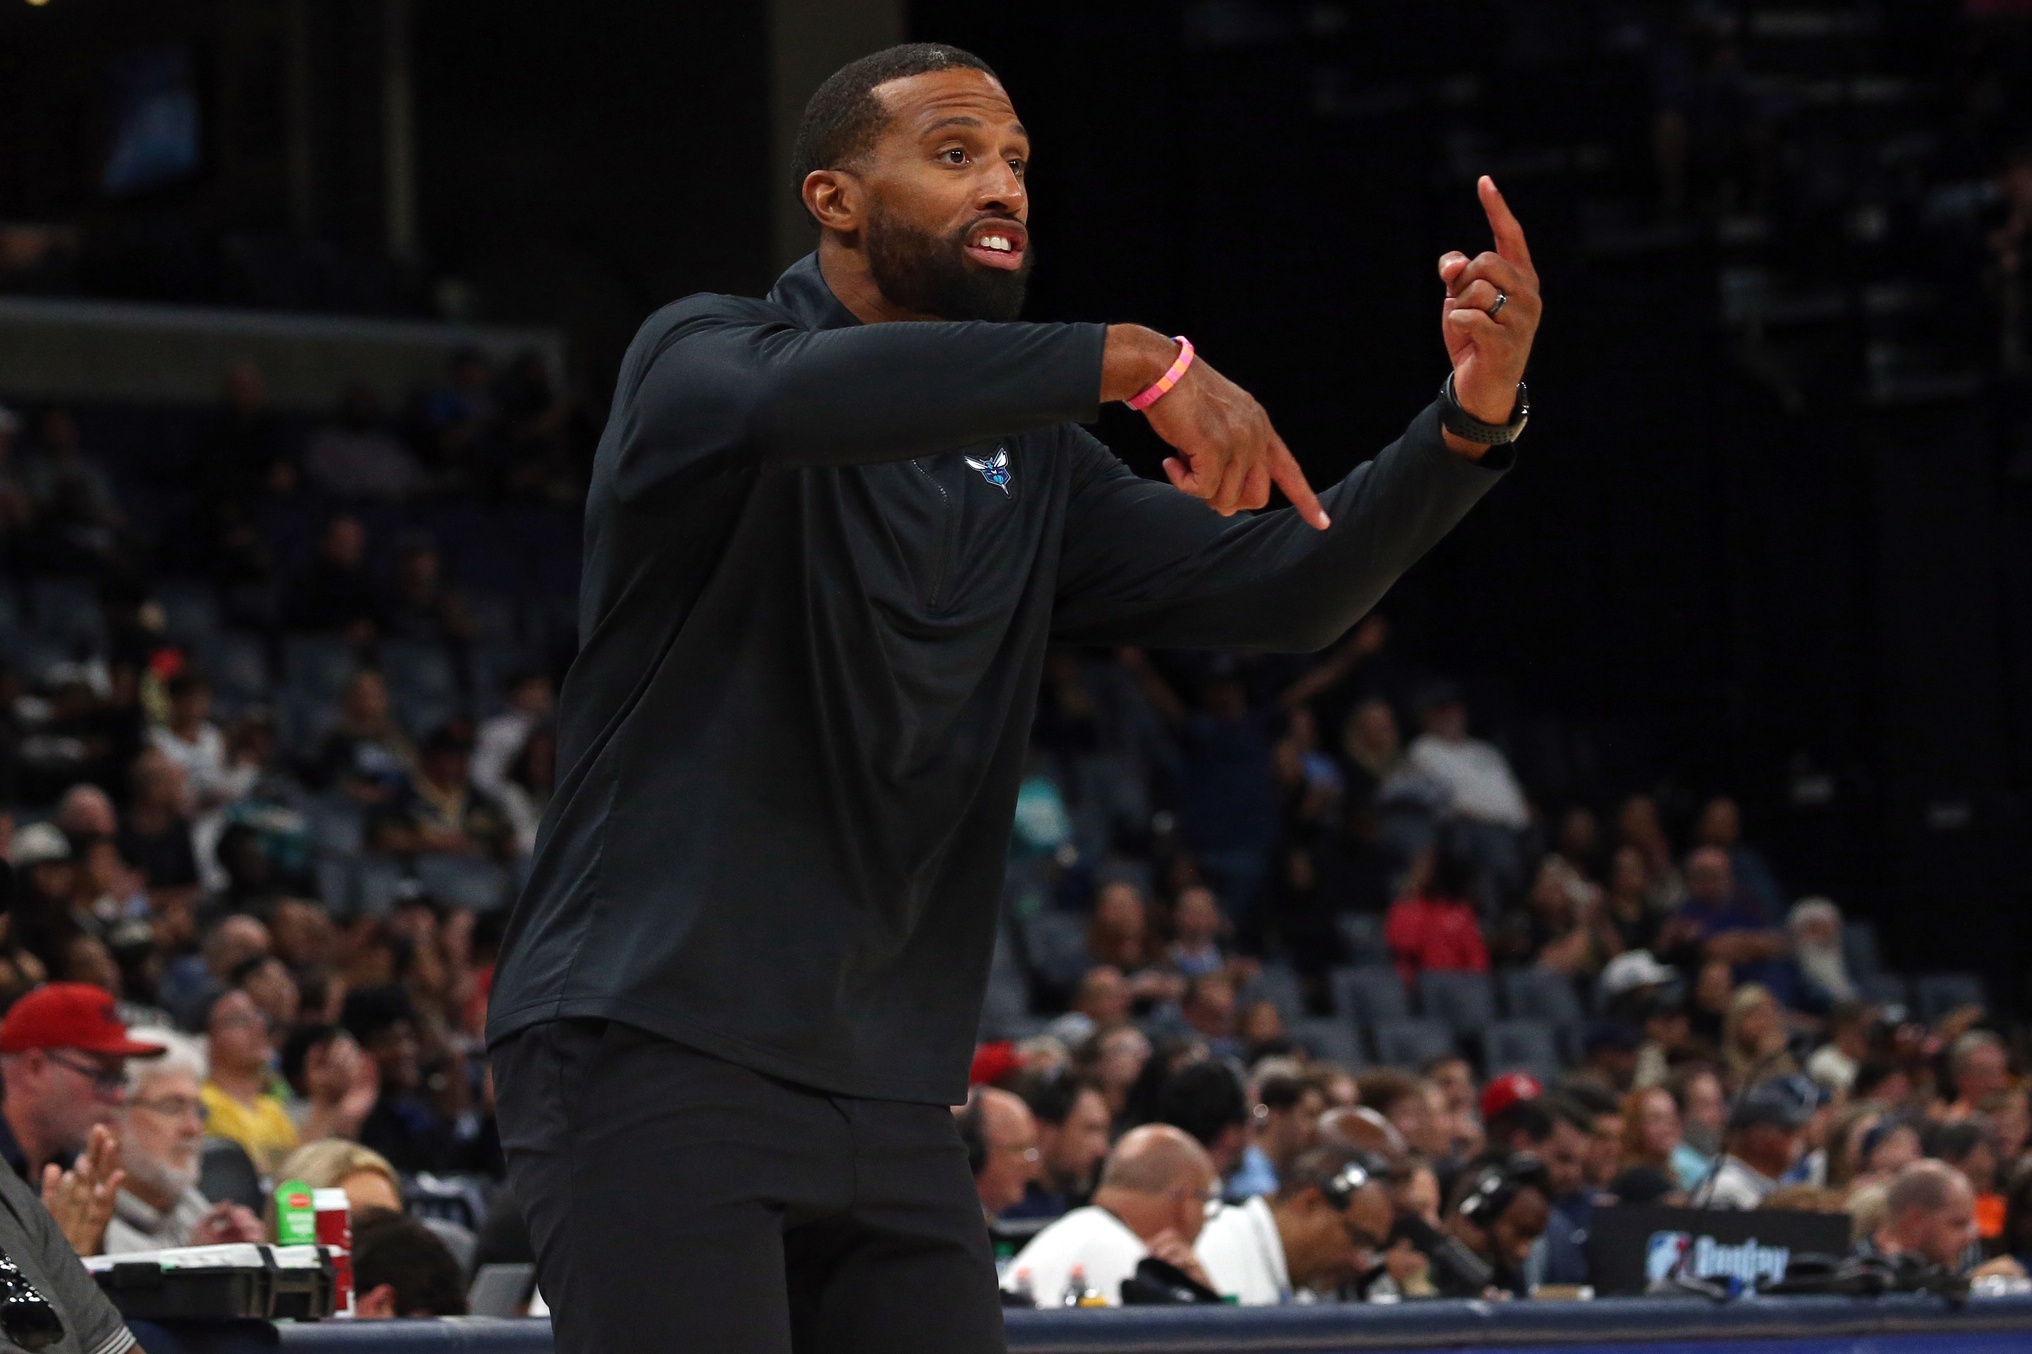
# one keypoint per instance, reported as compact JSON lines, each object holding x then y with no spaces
{"x":1468,"y":428}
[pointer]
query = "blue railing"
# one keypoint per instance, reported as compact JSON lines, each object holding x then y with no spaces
{"x":1888,"y":1325}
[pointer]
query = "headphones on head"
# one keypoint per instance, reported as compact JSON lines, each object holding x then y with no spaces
{"x":1341,"y":1189}
{"x":1498,"y":1185}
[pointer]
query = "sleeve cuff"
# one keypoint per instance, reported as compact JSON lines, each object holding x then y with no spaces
{"x":119,"y":1341}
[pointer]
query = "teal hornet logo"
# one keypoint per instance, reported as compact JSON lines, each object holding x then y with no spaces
{"x":995,"y":470}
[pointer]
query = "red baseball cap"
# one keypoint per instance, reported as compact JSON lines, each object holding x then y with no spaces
{"x":1500,"y":1094}
{"x":70,"y":1015}
{"x":992,"y":1062}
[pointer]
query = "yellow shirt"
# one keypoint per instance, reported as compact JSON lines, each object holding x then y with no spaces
{"x":263,"y":1128}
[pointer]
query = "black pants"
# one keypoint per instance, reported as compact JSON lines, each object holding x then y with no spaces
{"x":678,"y":1201}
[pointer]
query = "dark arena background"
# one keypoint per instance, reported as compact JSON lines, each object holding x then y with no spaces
{"x":310,"y":318}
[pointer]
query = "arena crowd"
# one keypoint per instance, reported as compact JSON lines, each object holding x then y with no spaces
{"x":274,"y":781}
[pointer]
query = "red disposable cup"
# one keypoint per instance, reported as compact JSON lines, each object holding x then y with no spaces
{"x":335,"y":1232}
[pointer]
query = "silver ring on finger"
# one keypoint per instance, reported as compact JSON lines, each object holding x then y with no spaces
{"x":1502,"y":299}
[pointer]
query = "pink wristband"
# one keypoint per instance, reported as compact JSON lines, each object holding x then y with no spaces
{"x":1170,"y":378}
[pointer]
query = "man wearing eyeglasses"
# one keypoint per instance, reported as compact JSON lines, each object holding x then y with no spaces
{"x":162,"y":1133}
{"x":63,"y":1058}
{"x":1329,"y":1219}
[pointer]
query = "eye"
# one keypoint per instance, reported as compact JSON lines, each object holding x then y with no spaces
{"x":1019,"y":166}
{"x":953,"y":155}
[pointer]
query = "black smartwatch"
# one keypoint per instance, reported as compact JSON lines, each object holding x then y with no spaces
{"x":1468,"y":428}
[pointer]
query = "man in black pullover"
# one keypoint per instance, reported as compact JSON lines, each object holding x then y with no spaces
{"x":829,"y":536}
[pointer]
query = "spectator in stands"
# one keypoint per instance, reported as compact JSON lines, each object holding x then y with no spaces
{"x":1413,"y":1106}
{"x":405,"y":1125}
{"x":1001,"y":1138}
{"x":1815,"y":975}
{"x":1485,"y":799}
{"x":1329,"y":1220}
{"x":1499,"y":1211}
{"x":2008,"y":1112}
{"x":1970,"y":1147}
{"x":420,"y":605}
{"x":156,"y":838}
{"x":1196,"y":928}
{"x":1562,"y":927}
{"x":1100,"y":1001}
{"x":1626,"y":901}
{"x":1580,"y":1161}
{"x":446,"y":811}
{"x":194,"y":743}
{"x":1206,"y":1100}
{"x":244,"y":442}
{"x":355,"y":456}
{"x":76,"y":510}
{"x":1453,"y":1078}
{"x":334,"y":1163}
{"x":1651,"y":1132}
{"x":1513,"y":1120}
{"x":1438,"y":924}
{"x":528,"y":701}
{"x":544,"y":431}
{"x":402,"y":1269}
{"x":161,"y":1129}
{"x":63,"y":1061}
{"x":366,"y":756}
{"x":333,"y":595}
{"x":1717,"y":922}
{"x":1208,"y":1010}
{"x":1835,"y":1063}
{"x":1113,"y":1059}
{"x":1120,"y":934}
{"x":1283,"y":1124}
{"x":532,"y":779}
{"x":1721,"y":827}
{"x":1151,"y":1200}
{"x":1637,"y":826}
{"x":1767,"y":1134}
{"x":1981,"y":1066}
{"x":1072,"y":1138}
{"x":240,"y":1094}
{"x":1754,"y":1042}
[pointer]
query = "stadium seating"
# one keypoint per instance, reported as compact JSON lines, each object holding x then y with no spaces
{"x":1464,"y":1002}
{"x":1410,"y":1043}
{"x":1369,"y":993}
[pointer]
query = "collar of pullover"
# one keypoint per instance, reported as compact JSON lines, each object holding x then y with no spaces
{"x":802,"y":290}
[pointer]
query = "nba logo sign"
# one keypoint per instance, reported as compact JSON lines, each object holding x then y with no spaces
{"x":1663,"y":1254}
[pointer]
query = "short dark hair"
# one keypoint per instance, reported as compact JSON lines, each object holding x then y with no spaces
{"x":1203,"y":1098}
{"x":1382,"y":1087}
{"x":843,"y":117}
{"x":1283,"y":1091}
{"x":1052,"y":1095}
{"x":1529,"y":1117}
{"x":394,"y":1248}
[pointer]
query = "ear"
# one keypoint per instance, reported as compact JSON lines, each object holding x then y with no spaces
{"x":376,"y":1304}
{"x":836,"y":198}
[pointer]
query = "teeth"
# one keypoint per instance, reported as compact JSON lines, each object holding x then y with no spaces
{"x":995,"y":242}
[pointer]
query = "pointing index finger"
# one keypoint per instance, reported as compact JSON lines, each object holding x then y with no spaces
{"x":1509,"y":234}
{"x":1288,"y":477}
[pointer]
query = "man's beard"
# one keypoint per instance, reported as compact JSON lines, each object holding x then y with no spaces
{"x":933,"y":276}
{"x":161,"y":1178}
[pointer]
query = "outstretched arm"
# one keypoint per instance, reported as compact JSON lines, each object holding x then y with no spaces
{"x":1141,"y":565}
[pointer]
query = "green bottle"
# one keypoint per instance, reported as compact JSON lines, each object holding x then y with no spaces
{"x":295,"y":1215}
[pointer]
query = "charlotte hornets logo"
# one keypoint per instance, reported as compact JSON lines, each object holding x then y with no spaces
{"x":995,"y":470}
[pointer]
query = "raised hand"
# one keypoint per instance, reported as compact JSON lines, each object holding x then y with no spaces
{"x":1228,"y":454}
{"x":1489,"y":351}
{"x":81,"y":1198}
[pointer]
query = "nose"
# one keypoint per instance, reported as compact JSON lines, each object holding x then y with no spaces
{"x":1001,"y":190}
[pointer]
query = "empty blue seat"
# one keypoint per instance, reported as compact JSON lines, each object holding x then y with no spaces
{"x":1369,"y":993}
{"x":1521,"y":1045}
{"x":1330,"y":1039}
{"x":377,"y":883}
{"x":66,"y":611}
{"x":463,"y":881}
{"x":1055,"y":945}
{"x":1542,"y":995}
{"x":190,"y":610}
{"x":1465,"y":1001}
{"x":335,"y":824}
{"x":1860,"y":950}
{"x":1278,"y":985}
{"x":1362,"y":937}
{"x":1410,"y":1044}
{"x":1939,"y":994}
{"x":237,"y":663}
{"x":1884,"y":989}
{"x":317,"y":666}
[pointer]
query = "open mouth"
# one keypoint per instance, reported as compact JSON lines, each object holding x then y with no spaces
{"x":997,"y":244}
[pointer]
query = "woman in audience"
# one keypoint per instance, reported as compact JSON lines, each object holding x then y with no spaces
{"x":1753,"y":1038}
{"x":1651,"y":1131}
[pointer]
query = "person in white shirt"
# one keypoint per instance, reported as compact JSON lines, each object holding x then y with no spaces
{"x":1152,"y":1200}
{"x":500,"y":738}
{"x":193,"y":742}
{"x":1332,"y":1213}
{"x":1767,"y":1134}
{"x":1475,"y":773}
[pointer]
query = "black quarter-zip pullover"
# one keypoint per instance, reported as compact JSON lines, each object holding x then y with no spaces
{"x":823,"y":561}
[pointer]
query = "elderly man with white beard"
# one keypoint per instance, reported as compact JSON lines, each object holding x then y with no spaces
{"x":162,"y":1129}
{"x":1816,"y":975}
